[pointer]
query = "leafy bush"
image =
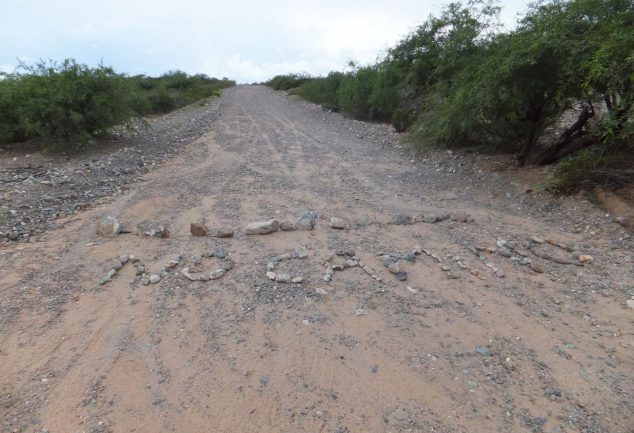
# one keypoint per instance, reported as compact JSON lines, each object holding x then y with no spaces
{"x":322,"y":90}
{"x":67,"y":103}
{"x":458,"y":80}
{"x":288,"y":82}
{"x":64,"y":102}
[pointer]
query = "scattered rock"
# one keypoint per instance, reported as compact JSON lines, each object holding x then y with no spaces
{"x":283,"y":278}
{"x":585,"y":258}
{"x":461,"y":217}
{"x":153,"y":229}
{"x":431,"y":217}
{"x":271,"y":275}
{"x":402,"y":219}
{"x":338,"y":223}
{"x":630,"y":303}
{"x":108,"y":227}
{"x":297,"y":280}
{"x":287,"y":226}
{"x":536,"y":267}
{"x":224,"y":232}
{"x":155,"y":278}
{"x":263,"y":227}
{"x":484,"y":351}
{"x":198,"y":229}
{"x":299,"y":253}
{"x":394,"y":267}
{"x":306,"y":220}
{"x":505,"y":252}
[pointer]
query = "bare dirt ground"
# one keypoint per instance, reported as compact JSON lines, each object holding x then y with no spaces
{"x":472,"y":341}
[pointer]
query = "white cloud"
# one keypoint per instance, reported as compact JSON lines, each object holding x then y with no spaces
{"x":245,"y":70}
{"x":248,"y":40}
{"x":7,"y":68}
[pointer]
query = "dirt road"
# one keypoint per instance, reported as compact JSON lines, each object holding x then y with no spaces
{"x":476,"y":339}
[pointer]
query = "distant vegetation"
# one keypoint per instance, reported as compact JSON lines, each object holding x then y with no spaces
{"x":460,"y":80}
{"x":67,"y":103}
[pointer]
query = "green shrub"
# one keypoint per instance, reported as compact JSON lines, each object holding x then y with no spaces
{"x":288,"y":82}
{"x":67,"y":103}
{"x":322,"y":90}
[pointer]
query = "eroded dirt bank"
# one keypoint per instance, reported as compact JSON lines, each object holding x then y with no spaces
{"x":495,"y":329}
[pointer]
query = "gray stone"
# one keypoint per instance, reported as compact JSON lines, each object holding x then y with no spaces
{"x":152,"y":228}
{"x":460,"y":217}
{"x":505,"y":252}
{"x":287,"y":226}
{"x":389,"y":260}
{"x":271,"y":275}
{"x":394,"y":268}
{"x":306,"y":220}
{"x":216,"y":274}
{"x":221,"y":253}
{"x":283,"y":278}
{"x":297,"y":280}
{"x":155,"y":278}
{"x":402,"y":219}
{"x":338,"y":223}
{"x":429,"y":218}
{"x":300,"y":253}
{"x":108,"y":227}
{"x":484,"y":351}
{"x":263,"y":227}
{"x":224,"y":232}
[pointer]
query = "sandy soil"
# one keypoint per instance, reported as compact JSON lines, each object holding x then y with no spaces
{"x":455,"y":348}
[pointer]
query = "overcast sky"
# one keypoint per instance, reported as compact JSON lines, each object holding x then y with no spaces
{"x":246,"y":40}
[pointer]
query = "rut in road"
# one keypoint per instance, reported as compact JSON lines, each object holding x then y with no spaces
{"x":455,"y":348}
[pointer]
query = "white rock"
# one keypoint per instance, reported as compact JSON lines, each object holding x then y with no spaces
{"x":262,"y":227}
{"x":338,"y":223}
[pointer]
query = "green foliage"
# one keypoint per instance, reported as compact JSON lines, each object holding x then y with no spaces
{"x":460,"y":80}
{"x":322,"y":90}
{"x":67,"y":103}
{"x":173,"y":90}
{"x":288,"y":82}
